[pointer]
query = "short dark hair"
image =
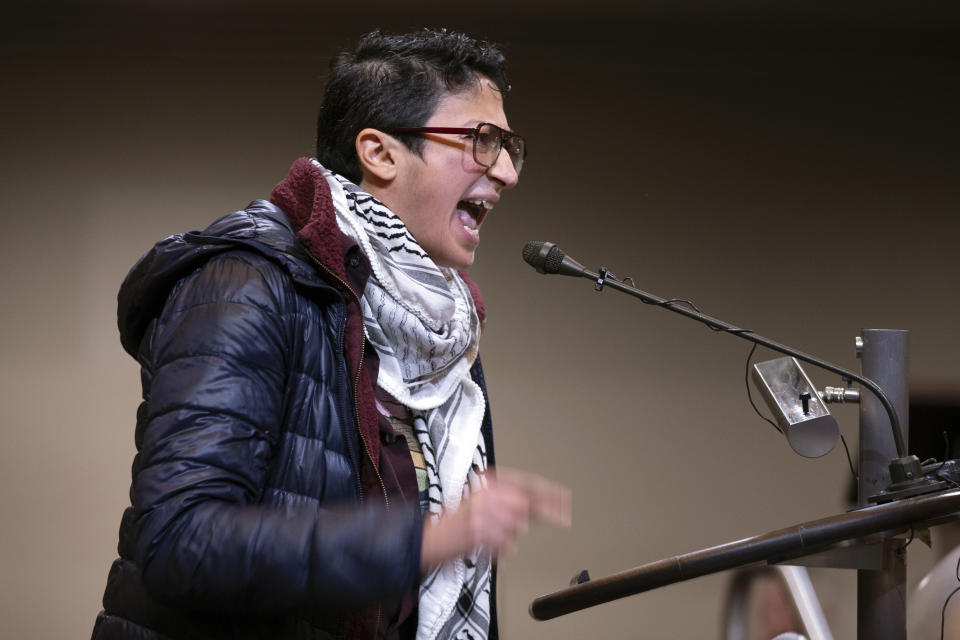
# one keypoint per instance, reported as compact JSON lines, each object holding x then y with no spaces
{"x":397,"y":81}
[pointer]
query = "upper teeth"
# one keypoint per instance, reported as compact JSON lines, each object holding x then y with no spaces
{"x":480,"y":203}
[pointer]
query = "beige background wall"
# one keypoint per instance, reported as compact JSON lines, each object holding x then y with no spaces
{"x":792,"y":171}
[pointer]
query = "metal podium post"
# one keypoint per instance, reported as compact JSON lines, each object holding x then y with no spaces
{"x":881,"y":593}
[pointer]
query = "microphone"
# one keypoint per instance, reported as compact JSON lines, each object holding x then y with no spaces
{"x":547,"y":257}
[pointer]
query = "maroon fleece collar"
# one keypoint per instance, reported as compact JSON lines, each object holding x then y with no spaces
{"x":304,"y":196}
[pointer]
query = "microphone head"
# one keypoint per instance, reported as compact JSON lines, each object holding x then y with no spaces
{"x":530,"y":251}
{"x":535,"y":254}
{"x":547,"y":257}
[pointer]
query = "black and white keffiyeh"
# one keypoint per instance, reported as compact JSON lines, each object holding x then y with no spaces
{"x":422,"y":321}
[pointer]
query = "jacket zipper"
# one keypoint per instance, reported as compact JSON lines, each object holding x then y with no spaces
{"x":356,"y":384}
{"x":356,"y":408}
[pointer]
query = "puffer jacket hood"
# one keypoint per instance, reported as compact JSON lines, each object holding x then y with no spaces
{"x":262,"y":227}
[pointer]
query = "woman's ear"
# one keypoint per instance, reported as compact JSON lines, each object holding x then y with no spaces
{"x":379,"y":154}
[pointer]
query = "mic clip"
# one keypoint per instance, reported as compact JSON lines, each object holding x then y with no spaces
{"x":602,"y":276}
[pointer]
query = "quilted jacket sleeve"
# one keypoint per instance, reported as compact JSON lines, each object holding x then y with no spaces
{"x":214,"y":375}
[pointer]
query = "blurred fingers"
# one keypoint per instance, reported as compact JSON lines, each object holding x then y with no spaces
{"x":549,"y":502}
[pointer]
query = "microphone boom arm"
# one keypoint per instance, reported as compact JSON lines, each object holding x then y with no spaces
{"x":604,"y":278}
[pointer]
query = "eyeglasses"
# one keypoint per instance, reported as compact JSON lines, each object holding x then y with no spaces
{"x":488,"y":140}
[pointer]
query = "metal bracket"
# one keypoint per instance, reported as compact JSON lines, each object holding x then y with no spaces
{"x":602,"y":278}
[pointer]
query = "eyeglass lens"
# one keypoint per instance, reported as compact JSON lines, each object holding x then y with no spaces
{"x":490,"y":139}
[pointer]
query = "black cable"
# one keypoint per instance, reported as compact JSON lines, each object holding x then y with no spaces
{"x":850,"y":462}
{"x":703,"y":318}
{"x":907,"y":543}
{"x":689,"y":303}
{"x":946,"y":454}
{"x":949,"y":480}
{"x":943,"y":612}
{"x":746,"y":381}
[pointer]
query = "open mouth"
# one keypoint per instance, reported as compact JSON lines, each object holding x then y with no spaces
{"x":477,"y":210}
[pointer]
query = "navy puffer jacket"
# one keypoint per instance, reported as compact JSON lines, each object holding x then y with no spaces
{"x":246,"y":487}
